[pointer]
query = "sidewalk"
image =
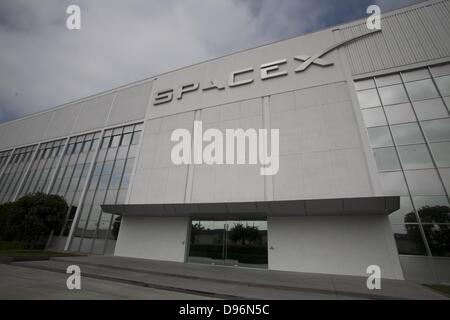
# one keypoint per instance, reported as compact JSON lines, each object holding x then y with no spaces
{"x":230,"y":282}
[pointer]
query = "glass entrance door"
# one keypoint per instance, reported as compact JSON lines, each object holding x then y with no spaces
{"x":234,"y":243}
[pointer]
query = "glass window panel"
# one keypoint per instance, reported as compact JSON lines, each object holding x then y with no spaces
{"x":122,"y":196}
{"x":437,"y":130}
{"x":136,"y":137}
{"x":138,"y":127}
{"x":118,"y":131}
{"x":443,"y":84}
{"x":409,"y":239}
{"x":424,"y":182}
{"x":105,"y":142}
{"x":415,"y":156}
{"x":393,"y":94}
{"x":115,"y":182}
{"x":87,"y":146}
{"x":447,"y":102}
{"x":118,"y":167}
{"x":93,"y":183}
{"x":111,"y":154}
{"x":107,"y":167}
{"x":94,"y":144}
{"x":122,"y":152}
{"x":103,"y":182}
{"x":438,"y":239}
{"x":98,"y":168}
{"x":115,"y":141}
{"x":440,"y":70}
{"x":441,"y":152}
{"x":132,"y":151}
{"x":386,"y":158}
{"x":414,"y":75}
{"x":379,"y":137}
{"x":422,"y":89}
{"x":368,"y":98}
{"x":99,"y":197}
{"x":407,"y":133}
{"x":445,"y":175}
{"x":400,"y":113}
{"x":388,"y":80}
{"x":393,"y":183}
{"x":129,"y":166}
{"x":126,"y":139}
{"x":374,"y":117}
{"x":364,"y":84}
{"x":125,"y":181}
{"x":430,"y":109}
{"x":108,"y":133}
{"x":111,"y":197}
{"x":405,"y":214}
{"x":432,"y":209}
{"x":128,"y":129}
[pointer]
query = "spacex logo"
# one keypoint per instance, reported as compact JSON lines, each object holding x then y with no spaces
{"x":245,"y":76}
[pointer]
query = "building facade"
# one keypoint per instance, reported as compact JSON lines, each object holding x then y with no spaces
{"x":364,"y":156}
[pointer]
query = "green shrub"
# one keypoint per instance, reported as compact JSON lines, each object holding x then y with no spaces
{"x":31,"y":218}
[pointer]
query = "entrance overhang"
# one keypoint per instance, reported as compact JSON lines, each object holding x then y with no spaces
{"x":261,"y":209}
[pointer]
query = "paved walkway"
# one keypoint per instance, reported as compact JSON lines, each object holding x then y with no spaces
{"x":231,"y":282}
{"x":17,"y":282}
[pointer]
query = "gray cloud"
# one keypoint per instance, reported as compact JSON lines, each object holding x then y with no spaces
{"x":42,"y":64}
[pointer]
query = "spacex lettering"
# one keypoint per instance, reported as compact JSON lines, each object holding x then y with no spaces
{"x":241,"y":77}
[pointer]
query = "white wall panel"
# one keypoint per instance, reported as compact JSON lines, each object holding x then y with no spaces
{"x":335,"y":245}
{"x":94,"y":113}
{"x":62,"y":121}
{"x":130,"y":104}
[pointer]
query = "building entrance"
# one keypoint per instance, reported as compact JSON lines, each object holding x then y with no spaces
{"x":233,"y":243}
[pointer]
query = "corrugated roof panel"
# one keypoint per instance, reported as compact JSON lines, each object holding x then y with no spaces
{"x":412,"y":36}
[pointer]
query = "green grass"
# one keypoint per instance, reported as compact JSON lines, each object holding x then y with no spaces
{"x":441,"y":288}
{"x":35,"y":253}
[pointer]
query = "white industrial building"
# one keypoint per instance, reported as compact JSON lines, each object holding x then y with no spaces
{"x":364,"y":156}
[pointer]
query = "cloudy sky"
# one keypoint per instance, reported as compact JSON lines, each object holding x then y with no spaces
{"x":43,"y":64}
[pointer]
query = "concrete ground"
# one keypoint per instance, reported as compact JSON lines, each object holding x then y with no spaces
{"x":172,"y":280}
{"x":26,"y":284}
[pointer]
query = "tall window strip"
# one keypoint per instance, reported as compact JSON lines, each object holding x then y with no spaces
{"x":9,"y":181}
{"x":4,"y":155}
{"x":72,"y":172}
{"x":42,"y":167}
{"x":108,"y":185}
{"x":407,"y":116}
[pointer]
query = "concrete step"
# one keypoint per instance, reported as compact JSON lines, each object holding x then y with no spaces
{"x":231,"y":282}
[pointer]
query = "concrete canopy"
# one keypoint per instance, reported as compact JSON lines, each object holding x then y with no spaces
{"x":261,"y":209}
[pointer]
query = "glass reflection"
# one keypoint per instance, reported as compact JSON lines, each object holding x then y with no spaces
{"x":421,"y":90}
{"x":408,"y":239}
{"x":368,"y":99}
{"x":441,"y":153}
{"x":393,"y":94}
{"x":374,"y":117}
{"x":407,"y":133}
{"x":400,"y":113}
{"x":386,"y":159}
{"x":437,"y":130}
{"x":380,"y":137}
{"x":405,"y":214}
{"x":443,"y":84}
{"x":242,"y":243}
{"x":415,"y":156}
{"x":430,"y":109}
{"x":438,"y":238}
